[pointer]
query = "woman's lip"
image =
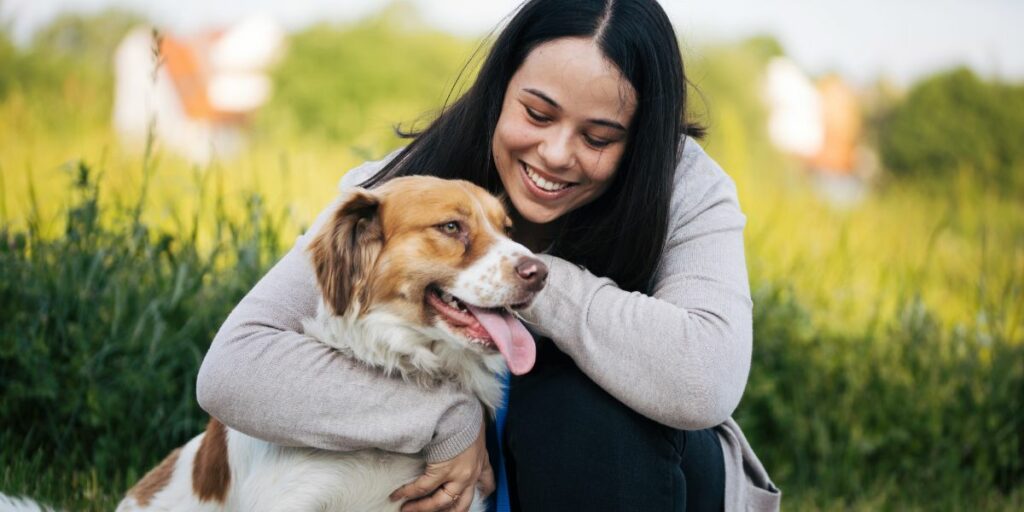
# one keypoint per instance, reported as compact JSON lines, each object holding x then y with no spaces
{"x":545,"y":175}
{"x":539,"y":192}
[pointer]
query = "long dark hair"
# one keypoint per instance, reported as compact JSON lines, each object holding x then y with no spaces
{"x":621,"y":234}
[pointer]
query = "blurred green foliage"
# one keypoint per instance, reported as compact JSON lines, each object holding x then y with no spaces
{"x":23,"y":71}
{"x":955,"y":121}
{"x":63,"y":78}
{"x":86,"y":38}
{"x":104,"y":327}
{"x":906,"y":402}
{"x":904,"y":405}
{"x":351,"y":84}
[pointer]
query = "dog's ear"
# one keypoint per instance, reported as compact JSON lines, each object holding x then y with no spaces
{"x":346,"y":248}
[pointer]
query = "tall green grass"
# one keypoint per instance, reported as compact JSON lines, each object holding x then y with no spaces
{"x":103,"y":329}
{"x":932,"y":414}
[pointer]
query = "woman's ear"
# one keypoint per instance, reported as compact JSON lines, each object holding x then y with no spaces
{"x":346,"y":248}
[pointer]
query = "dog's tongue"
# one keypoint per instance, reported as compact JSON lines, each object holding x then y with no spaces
{"x":511,"y":337}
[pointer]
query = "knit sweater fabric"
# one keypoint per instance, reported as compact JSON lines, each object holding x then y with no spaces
{"x":680,"y":356}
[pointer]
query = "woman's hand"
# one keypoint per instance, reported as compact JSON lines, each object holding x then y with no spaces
{"x":450,"y":485}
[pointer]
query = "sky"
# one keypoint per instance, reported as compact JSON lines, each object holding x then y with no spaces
{"x":901,"y":40}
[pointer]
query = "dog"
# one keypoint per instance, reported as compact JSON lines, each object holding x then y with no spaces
{"x":420,"y":280}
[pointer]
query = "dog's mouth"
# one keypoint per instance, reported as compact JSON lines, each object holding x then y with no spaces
{"x":494,"y":328}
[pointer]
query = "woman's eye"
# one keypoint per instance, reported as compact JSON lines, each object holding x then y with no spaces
{"x":450,"y":228}
{"x":597,"y":143}
{"x":536,"y":116}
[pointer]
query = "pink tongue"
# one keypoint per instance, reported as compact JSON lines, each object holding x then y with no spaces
{"x":511,"y":337}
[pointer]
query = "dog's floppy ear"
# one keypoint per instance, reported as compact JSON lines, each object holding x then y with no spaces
{"x":346,"y":248}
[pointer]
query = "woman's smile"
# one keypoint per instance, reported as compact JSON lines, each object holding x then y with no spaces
{"x":544,"y":186}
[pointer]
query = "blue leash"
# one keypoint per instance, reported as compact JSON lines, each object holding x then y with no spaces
{"x":501,"y":500}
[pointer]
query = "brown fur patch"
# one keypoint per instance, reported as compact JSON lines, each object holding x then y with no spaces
{"x":345,"y":249}
{"x":211,"y":474}
{"x":155,"y":480}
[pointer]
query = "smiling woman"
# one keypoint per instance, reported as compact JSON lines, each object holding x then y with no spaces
{"x":579,"y":117}
{"x":562,"y":130}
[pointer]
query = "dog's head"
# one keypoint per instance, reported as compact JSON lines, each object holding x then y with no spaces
{"x":436,"y":255}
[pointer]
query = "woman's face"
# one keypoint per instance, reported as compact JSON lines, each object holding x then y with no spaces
{"x":562,"y":129}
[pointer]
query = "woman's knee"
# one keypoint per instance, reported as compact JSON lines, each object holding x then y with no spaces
{"x":580,"y":448}
{"x":562,"y":410}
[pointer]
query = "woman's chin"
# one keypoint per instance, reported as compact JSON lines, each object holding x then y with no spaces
{"x":543,"y":217}
{"x":535,"y":212}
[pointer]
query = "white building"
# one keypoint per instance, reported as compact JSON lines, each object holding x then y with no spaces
{"x":201,"y":93}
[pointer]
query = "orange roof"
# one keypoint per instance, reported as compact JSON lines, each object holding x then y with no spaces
{"x":184,"y":64}
{"x":842,"y":117}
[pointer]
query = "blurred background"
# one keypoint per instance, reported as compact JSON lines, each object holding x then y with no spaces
{"x":157,"y":157}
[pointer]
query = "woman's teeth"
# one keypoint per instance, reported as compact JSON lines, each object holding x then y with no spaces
{"x":543,"y":183}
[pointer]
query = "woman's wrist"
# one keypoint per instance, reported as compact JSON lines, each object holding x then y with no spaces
{"x":456,"y":431}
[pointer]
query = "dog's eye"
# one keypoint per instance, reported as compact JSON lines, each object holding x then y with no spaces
{"x":450,"y":228}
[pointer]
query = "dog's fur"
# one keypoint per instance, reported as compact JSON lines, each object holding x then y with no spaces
{"x":385,"y":263}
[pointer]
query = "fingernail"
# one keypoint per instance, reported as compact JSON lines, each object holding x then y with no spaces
{"x":393,"y":497}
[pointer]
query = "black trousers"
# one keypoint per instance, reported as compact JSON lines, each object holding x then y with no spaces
{"x":571,"y":446}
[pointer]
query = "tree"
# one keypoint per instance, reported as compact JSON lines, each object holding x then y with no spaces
{"x":954,"y":121}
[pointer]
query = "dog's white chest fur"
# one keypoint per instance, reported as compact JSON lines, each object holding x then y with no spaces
{"x":398,"y":349}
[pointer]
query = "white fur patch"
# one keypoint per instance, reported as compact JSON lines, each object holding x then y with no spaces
{"x":426,"y":355}
{"x":486,"y":283}
{"x":9,"y":504}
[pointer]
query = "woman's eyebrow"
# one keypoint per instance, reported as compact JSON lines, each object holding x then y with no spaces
{"x":544,"y":97}
{"x":547,"y":99}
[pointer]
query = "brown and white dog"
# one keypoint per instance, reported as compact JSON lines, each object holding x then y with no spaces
{"x":419,"y":279}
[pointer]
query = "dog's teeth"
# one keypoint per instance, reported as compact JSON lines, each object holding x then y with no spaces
{"x":447,"y":297}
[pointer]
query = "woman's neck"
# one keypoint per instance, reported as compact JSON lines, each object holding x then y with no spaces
{"x":536,"y":237}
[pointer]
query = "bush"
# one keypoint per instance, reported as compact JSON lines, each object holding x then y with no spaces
{"x":341,"y":84}
{"x":903,"y":406}
{"x":955,"y":121}
{"x":102,"y":331}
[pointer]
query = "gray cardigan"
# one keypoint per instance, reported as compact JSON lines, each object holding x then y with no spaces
{"x":680,"y":356}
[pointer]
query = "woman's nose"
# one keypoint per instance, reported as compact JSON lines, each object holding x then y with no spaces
{"x":557,"y":152}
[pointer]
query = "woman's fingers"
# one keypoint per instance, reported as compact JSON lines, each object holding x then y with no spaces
{"x":422,"y":486}
{"x":465,"y":500}
{"x":486,"y":481}
{"x":445,"y":498}
{"x":443,"y":483}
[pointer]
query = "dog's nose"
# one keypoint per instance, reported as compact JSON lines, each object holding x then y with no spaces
{"x":533,"y":271}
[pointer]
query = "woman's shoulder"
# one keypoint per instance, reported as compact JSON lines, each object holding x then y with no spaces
{"x":695,"y":166}
{"x":359,"y":174}
{"x":699,"y":183}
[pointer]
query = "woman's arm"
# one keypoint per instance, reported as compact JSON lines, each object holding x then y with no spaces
{"x":265,"y":378}
{"x":682,"y":355}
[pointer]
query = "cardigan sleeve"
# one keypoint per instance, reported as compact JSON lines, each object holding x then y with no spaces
{"x":262,"y":376}
{"x":680,"y":356}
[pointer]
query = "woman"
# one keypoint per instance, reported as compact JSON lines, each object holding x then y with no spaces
{"x":644,"y":330}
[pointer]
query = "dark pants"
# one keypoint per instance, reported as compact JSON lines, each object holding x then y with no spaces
{"x":570,"y":446}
